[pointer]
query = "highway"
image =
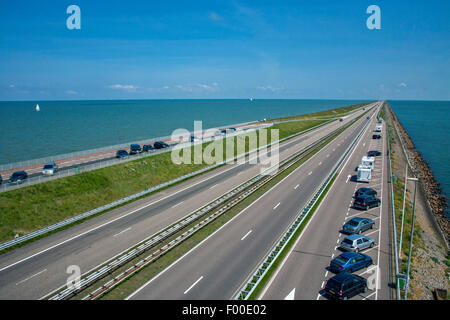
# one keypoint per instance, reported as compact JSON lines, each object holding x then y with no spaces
{"x":303,"y":273}
{"x":218,"y":266}
{"x":33,"y":271}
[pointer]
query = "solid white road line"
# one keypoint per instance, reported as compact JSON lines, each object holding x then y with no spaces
{"x":193,"y":284}
{"x":214,"y":186}
{"x":122,"y":231}
{"x":177,"y":204}
{"x":348,"y":178}
{"x":296,"y":187}
{"x":276,"y":206}
{"x":310,"y":173}
{"x":34,"y":275}
{"x":246,"y":235}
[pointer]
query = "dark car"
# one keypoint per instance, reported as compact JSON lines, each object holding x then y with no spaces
{"x":147,"y":147}
{"x":121,"y":154}
{"x":373,"y":153}
{"x":358,"y":225}
{"x":345,"y":285}
{"x":18,"y":177}
{"x":364,"y":190}
{"x":366,"y":202}
{"x":135,"y":148}
{"x":376,"y":136}
{"x":232,"y":129}
{"x":1,"y":180}
{"x":350,"y":262}
{"x":160,"y":145}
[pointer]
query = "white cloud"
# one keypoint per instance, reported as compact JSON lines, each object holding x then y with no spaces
{"x":71,"y":92}
{"x":126,"y":87}
{"x":198,"y":87}
{"x":214,"y":16}
{"x":12,"y":86}
{"x":402,"y":85}
{"x":270,"y":88}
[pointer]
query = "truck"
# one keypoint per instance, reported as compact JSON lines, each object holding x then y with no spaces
{"x":368,"y":162}
{"x":364,"y":174}
{"x":378,"y":128}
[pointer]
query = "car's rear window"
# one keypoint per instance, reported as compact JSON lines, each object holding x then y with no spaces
{"x":347,"y":241}
{"x":341,"y":259}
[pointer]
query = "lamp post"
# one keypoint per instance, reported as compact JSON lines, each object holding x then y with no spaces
{"x":403,"y":213}
{"x":411,"y":237}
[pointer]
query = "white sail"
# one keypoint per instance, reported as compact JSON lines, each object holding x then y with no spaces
{"x":37,"y":108}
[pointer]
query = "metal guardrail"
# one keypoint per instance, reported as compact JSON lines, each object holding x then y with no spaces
{"x":246,"y":189}
{"x":262,"y":269}
{"x":84,"y":215}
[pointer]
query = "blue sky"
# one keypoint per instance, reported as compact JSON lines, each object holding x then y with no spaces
{"x":224,"y":49}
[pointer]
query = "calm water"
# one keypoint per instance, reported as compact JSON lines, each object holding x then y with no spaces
{"x":428,"y":124}
{"x":68,"y":126}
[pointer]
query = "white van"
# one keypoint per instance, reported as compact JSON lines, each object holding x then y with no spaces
{"x":378,"y":128}
{"x":364,"y":174}
{"x":368,"y":162}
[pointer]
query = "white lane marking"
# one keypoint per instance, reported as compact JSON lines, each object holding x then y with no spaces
{"x":370,"y":295}
{"x":291,"y":295}
{"x":193,"y":284}
{"x":276,"y":206}
{"x":122,"y":231}
{"x":310,"y":173}
{"x":334,"y":149}
{"x":364,"y":144}
{"x":246,"y":235}
{"x":34,"y":275}
{"x":320,"y":163}
{"x":177,"y":204}
{"x":216,"y":184}
{"x":348,"y":178}
{"x":296,"y":187}
{"x":323,"y":282}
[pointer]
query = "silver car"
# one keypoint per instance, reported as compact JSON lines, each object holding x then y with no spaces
{"x":49,"y":169}
{"x":356,"y":242}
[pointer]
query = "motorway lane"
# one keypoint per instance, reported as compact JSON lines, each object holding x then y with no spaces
{"x":45,"y":271}
{"x":218,"y":266}
{"x":303,"y":273}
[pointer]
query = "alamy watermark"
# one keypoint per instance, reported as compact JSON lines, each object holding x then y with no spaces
{"x":227,"y":146}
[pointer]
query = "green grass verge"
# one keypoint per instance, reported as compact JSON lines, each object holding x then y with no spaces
{"x":30,"y":208}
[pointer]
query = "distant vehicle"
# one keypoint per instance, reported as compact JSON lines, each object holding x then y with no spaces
{"x":121,"y":154}
{"x":18,"y":177}
{"x":368,"y":118}
{"x":357,"y":243}
{"x":147,"y":147}
{"x":49,"y":169}
{"x":364,"y":174}
{"x":366,"y":202}
{"x":378,"y":128}
{"x":380,"y":120}
{"x":345,"y":285}
{"x":135,"y":148}
{"x":364,"y":190}
{"x":341,"y":119}
{"x":373,"y":153}
{"x":376,"y":136}
{"x":1,"y":179}
{"x":194,"y":139}
{"x":350,"y":262}
{"x":358,"y":225}
{"x":160,"y":145}
{"x":232,"y":129}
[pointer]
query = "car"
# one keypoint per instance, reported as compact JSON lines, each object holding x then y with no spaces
{"x":1,"y":179}
{"x":160,"y":145}
{"x":366,"y":202}
{"x":376,"y":136}
{"x":373,"y":153}
{"x":135,"y":148}
{"x":49,"y":169}
{"x":357,"y":243}
{"x":350,"y":262}
{"x":341,"y":119}
{"x":147,"y":147}
{"x":368,"y":118}
{"x":358,"y":225}
{"x":194,"y":139}
{"x":364,"y":190}
{"x":121,"y":154}
{"x":345,"y":285}
{"x":18,"y":177}
{"x":232,"y":129}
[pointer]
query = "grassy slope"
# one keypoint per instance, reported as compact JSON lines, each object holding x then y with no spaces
{"x":30,"y":208}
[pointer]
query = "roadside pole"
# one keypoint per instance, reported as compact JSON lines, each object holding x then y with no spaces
{"x":411,"y":237}
{"x":403,"y":213}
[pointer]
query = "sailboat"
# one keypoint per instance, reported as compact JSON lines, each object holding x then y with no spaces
{"x":37,"y":108}
{"x":251,"y":99}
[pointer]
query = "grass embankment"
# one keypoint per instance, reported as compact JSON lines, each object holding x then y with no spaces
{"x":30,"y":208}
